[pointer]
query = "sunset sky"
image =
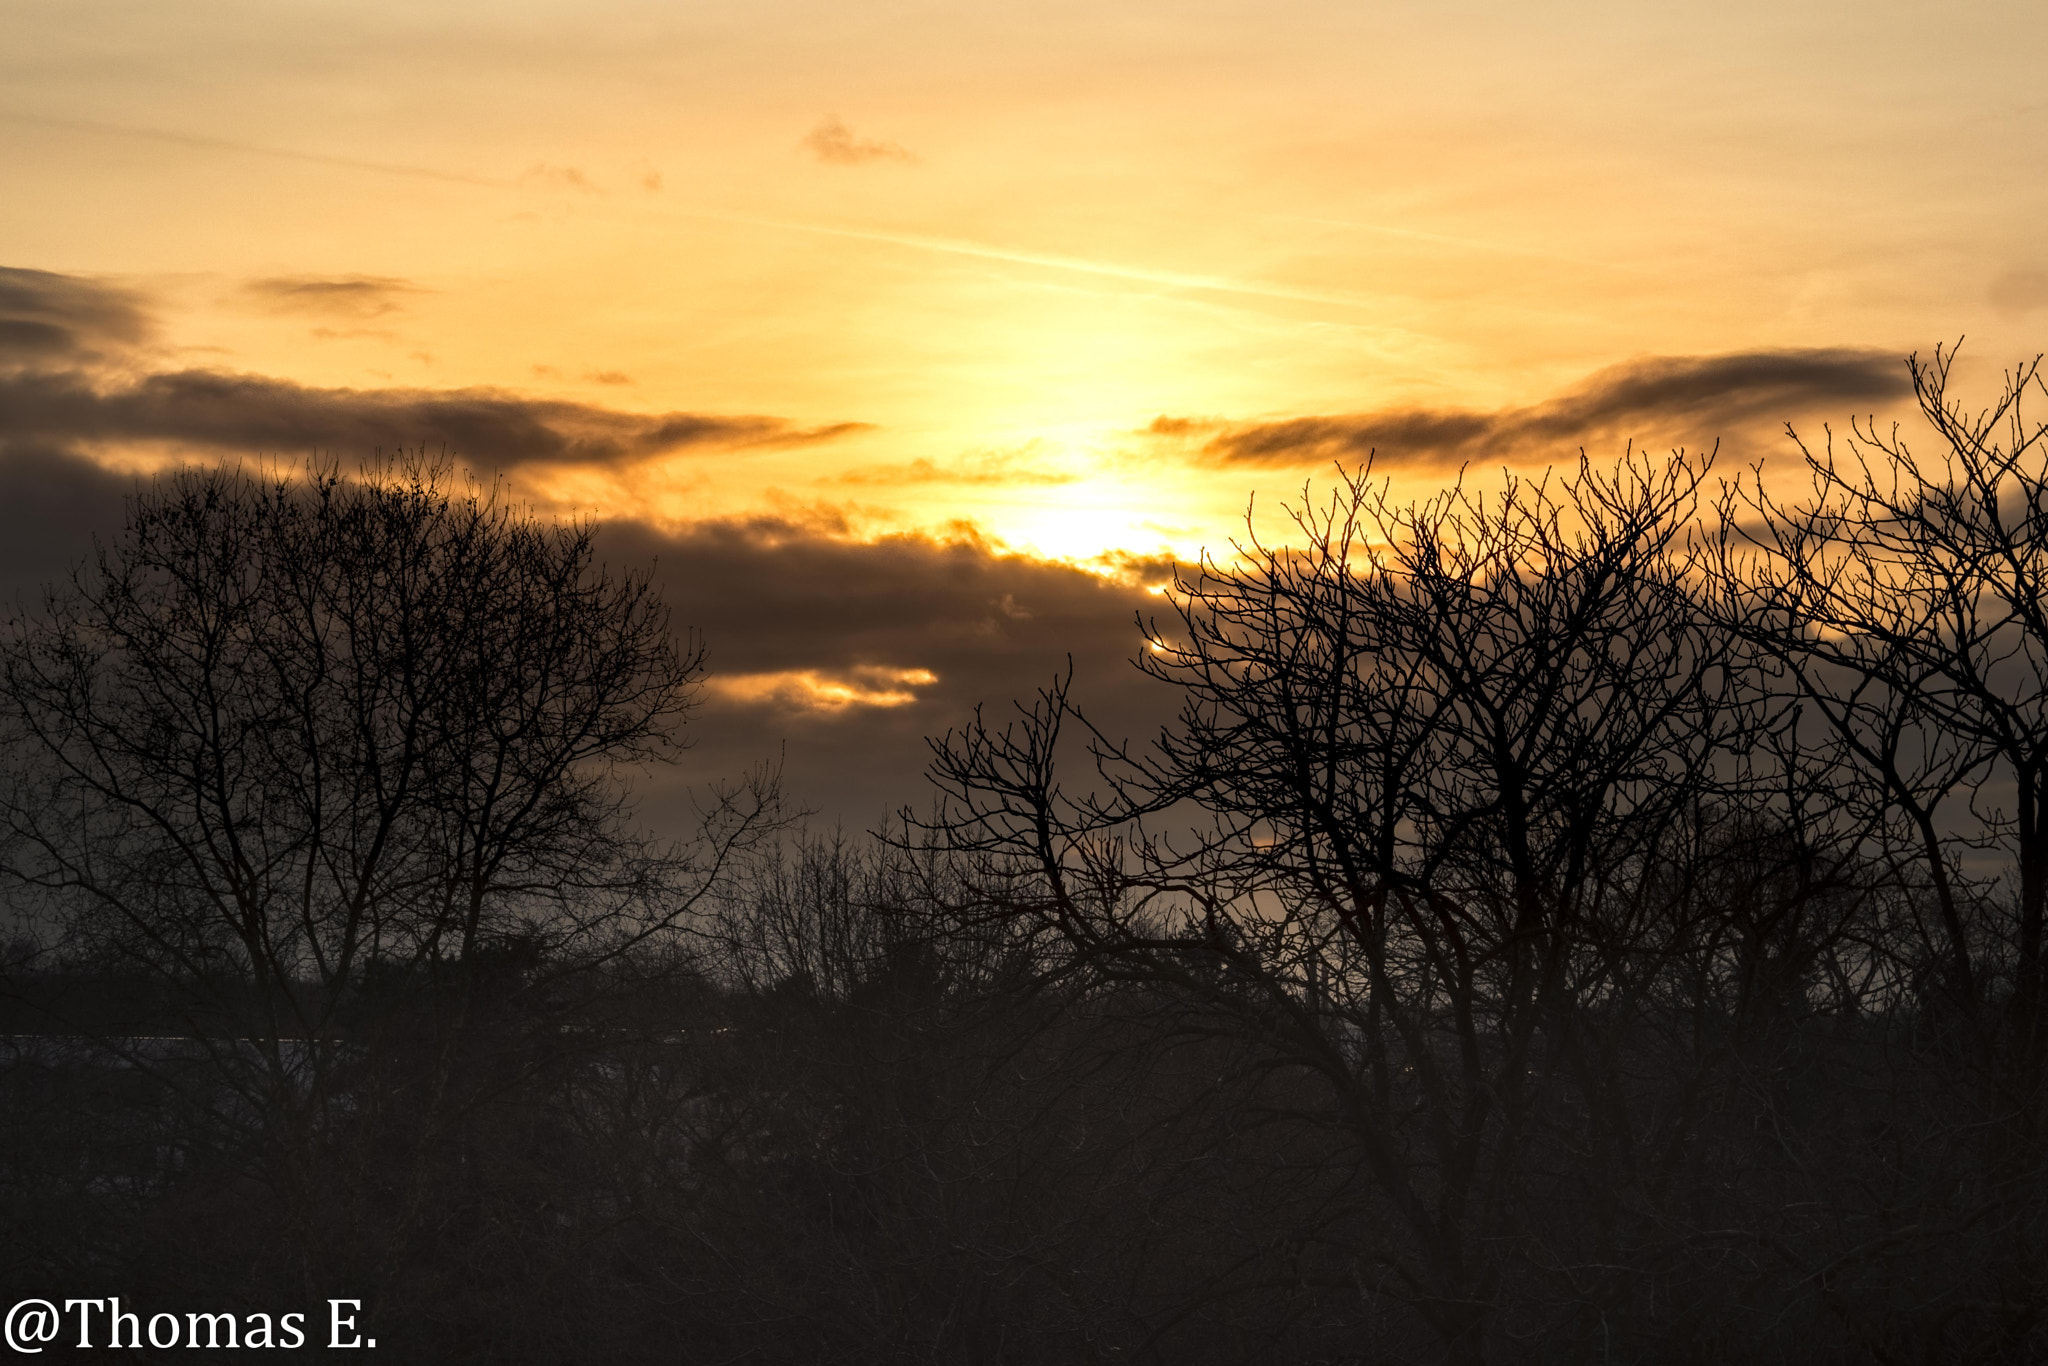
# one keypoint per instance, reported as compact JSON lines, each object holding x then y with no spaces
{"x":915,"y":337}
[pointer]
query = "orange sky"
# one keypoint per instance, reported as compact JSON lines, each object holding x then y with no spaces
{"x":1007,"y":237}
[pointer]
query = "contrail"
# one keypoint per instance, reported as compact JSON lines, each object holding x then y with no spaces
{"x":248,"y":148}
{"x":1175,"y":279}
{"x":937,"y":244}
{"x":1448,"y":239}
{"x":957,"y":247}
{"x":913,"y":241}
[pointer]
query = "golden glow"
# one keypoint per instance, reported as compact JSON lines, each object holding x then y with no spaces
{"x":1007,"y":238}
{"x":810,"y":690}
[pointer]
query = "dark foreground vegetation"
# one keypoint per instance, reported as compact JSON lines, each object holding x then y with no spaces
{"x":1599,"y":920}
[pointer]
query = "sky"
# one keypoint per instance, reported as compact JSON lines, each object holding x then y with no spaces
{"x":916,"y":341}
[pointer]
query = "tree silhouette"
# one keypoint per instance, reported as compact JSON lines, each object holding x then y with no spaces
{"x":340,"y":760}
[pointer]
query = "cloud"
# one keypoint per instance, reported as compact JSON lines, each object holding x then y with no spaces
{"x":52,"y":505}
{"x":1003,"y":469}
{"x":558,"y":177}
{"x":838,"y":656}
{"x":812,"y":690}
{"x":1690,"y":400}
{"x":352,"y":333}
{"x":612,"y":377}
{"x":253,"y":414}
{"x":843,"y":655}
{"x":48,"y":318}
{"x":833,"y":143}
{"x":340,"y":296}
{"x":2017,"y":292}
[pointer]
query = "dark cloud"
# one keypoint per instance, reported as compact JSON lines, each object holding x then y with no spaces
{"x":52,"y":505}
{"x":257,"y":415}
{"x":343,"y":296}
{"x":48,"y":318}
{"x":833,"y":143}
{"x":917,"y":631}
{"x":791,"y":619}
{"x":60,"y":324}
{"x":1690,"y":400}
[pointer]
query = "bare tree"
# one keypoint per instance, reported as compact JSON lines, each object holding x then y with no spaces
{"x":1900,"y":598}
{"x":311,"y":745}
{"x":1444,"y":759}
{"x":1904,"y":596}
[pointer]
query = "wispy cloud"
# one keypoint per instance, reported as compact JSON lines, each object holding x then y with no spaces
{"x":558,"y":177}
{"x":334,"y":296}
{"x":1694,"y":399}
{"x":989,"y":468}
{"x":2018,"y":292}
{"x":834,"y":144}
